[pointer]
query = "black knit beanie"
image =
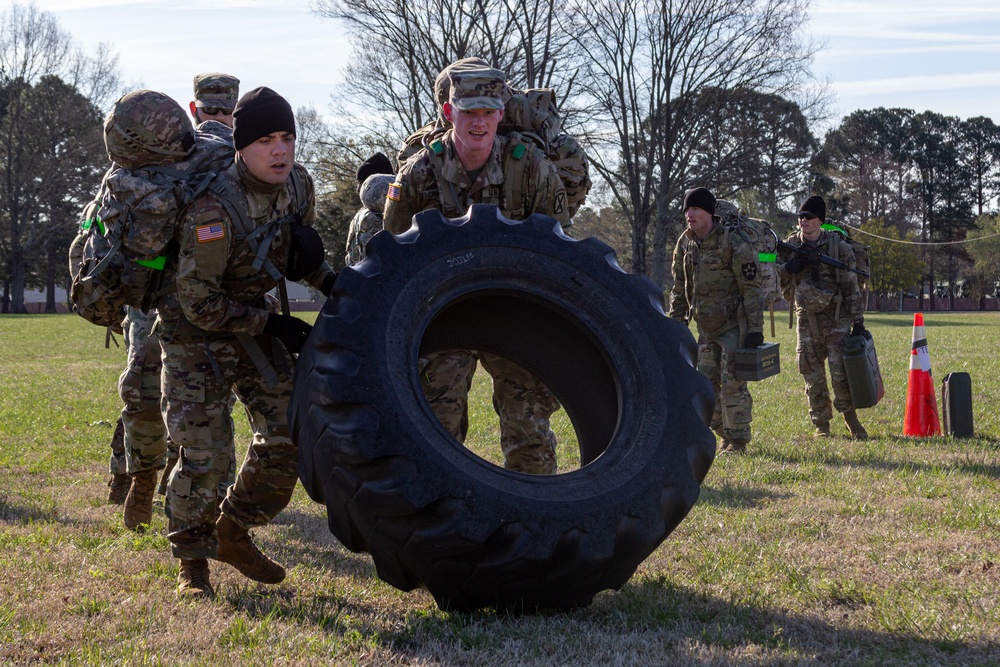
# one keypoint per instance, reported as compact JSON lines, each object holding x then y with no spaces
{"x":376,"y":164}
{"x":700,"y":198}
{"x":814,"y":205}
{"x":259,"y":113}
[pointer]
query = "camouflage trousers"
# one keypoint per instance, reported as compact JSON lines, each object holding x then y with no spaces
{"x":523,"y":404}
{"x":143,"y":443}
{"x":821,"y":342}
{"x":145,"y":436}
{"x":733,"y":402}
{"x":199,"y":377}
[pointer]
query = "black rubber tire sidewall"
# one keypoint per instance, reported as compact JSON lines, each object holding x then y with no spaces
{"x":431,"y":513}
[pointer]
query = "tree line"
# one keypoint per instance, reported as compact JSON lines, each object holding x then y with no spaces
{"x":663,"y":94}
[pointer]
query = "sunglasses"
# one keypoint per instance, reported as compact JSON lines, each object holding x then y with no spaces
{"x":215,"y":111}
{"x":806,"y":216}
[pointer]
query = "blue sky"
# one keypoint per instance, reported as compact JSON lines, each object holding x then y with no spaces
{"x":919,"y":54}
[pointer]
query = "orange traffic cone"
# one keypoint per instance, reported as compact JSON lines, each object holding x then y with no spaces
{"x":921,"y":418}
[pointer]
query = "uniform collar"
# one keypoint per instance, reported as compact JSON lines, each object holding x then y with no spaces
{"x":262,"y":198}
{"x":452,"y":170}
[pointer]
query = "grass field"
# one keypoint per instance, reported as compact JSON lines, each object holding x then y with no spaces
{"x":804,"y":552}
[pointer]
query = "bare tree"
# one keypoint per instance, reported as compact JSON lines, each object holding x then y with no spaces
{"x":754,"y":145}
{"x":48,"y":129}
{"x":402,"y":45}
{"x":645,"y":62}
{"x":332,"y":154}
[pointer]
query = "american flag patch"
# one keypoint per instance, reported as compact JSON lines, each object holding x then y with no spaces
{"x":212,"y":232}
{"x":394,"y":191}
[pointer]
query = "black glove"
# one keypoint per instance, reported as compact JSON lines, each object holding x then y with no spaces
{"x":305,"y":252}
{"x":796,"y":264}
{"x":859,"y":329}
{"x":755,"y":339}
{"x":327,"y":285}
{"x":291,"y":331}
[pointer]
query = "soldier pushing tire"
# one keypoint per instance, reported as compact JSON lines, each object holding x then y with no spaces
{"x":430,"y":512}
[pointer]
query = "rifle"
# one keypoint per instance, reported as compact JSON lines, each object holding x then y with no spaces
{"x":815,"y":256}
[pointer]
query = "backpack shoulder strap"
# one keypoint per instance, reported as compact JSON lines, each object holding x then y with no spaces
{"x":447,"y":196}
{"x":516,"y":156}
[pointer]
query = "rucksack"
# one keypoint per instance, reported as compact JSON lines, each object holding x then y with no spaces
{"x":760,"y":235}
{"x":862,"y":259}
{"x":127,"y":233}
{"x":530,"y":114}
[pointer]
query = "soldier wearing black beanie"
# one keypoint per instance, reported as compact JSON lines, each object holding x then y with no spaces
{"x":376,"y":164}
{"x":815,"y":206}
{"x":701,"y":198}
{"x":259,"y":113}
{"x":239,"y":240}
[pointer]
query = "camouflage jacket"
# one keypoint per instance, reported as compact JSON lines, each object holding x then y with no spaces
{"x":366,"y":224}
{"x":842,"y":286}
{"x":219,"y":288}
{"x":717,"y":282}
{"x":520,"y":181}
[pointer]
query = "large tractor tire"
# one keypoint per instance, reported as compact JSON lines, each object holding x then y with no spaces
{"x":430,"y":512}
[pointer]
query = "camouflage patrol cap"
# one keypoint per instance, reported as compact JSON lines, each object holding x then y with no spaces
{"x":476,"y":87}
{"x":215,"y":89}
{"x":442,"y":84}
{"x":147,"y":128}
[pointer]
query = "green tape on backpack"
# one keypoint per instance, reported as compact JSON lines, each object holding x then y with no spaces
{"x":157,"y":263}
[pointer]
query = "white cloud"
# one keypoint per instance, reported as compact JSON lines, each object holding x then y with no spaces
{"x":918,"y":83}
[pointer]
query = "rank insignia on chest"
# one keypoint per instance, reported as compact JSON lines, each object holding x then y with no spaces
{"x":394,"y":192}
{"x":210,"y":232}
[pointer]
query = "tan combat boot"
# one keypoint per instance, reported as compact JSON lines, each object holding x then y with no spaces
{"x":192,"y":580}
{"x":139,"y":503}
{"x":237,"y":549}
{"x":858,"y":431}
{"x":733,"y":446}
{"x":822,"y":430}
{"x":118,"y":489}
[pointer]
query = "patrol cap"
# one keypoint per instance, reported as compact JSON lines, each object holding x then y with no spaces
{"x":442,"y":84}
{"x":476,"y":87}
{"x":215,"y":89}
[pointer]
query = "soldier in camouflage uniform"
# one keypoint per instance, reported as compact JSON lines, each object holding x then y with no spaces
{"x":467,"y":164}
{"x":368,"y":220}
{"x":140,"y":446}
{"x":144,"y":434}
{"x":238,"y":241}
{"x":717,"y":282}
{"x":215,"y":96}
{"x":828,"y":304}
